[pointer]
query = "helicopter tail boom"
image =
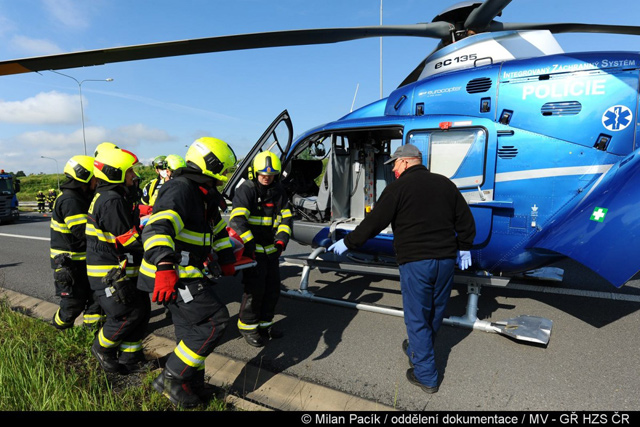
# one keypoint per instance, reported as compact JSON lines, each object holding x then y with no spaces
{"x":601,"y":230}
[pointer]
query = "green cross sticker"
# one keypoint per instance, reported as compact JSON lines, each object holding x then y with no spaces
{"x":598,"y":214}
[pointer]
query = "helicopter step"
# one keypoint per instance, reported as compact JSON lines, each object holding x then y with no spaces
{"x":530,"y":329}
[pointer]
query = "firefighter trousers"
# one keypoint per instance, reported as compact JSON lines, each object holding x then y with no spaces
{"x":76,"y":298}
{"x":124,"y":328}
{"x":200,"y":319}
{"x":261,"y":290}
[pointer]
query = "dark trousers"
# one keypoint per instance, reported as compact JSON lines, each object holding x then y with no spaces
{"x":79,"y":300}
{"x":426,"y":288}
{"x":124,"y":328}
{"x":199,"y":325}
{"x":261,"y":290}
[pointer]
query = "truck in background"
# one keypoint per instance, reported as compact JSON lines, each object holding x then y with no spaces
{"x":9,"y":187}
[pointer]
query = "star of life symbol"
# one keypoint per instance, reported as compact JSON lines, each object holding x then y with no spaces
{"x":616,"y":118}
{"x":598,"y":214}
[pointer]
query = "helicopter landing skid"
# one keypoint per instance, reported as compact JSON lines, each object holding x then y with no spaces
{"x":530,"y":329}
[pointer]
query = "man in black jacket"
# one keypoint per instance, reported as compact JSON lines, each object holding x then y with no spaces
{"x":432,"y":224}
{"x":69,"y":246}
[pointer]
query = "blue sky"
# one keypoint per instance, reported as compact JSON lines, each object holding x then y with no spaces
{"x":160,"y":106}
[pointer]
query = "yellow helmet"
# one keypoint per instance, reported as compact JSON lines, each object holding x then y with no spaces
{"x":158,"y":162}
{"x":112,"y":165}
{"x":79,"y":168}
{"x":265,"y":163}
{"x":104,"y":146}
{"x":173,"y":162}
{"x":212,"y":156}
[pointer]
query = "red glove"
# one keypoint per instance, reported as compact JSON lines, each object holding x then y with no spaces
{"x":280,"y":247}
{"x":228,"y":269}
{"x":165,"y":285}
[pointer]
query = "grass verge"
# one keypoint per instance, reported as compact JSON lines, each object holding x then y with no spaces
{"x":43,"y":369}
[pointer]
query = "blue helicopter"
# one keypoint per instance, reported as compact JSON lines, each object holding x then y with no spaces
{"x":542,"y":144}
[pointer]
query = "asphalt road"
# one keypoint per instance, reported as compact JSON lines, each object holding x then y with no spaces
{"x":590,"y":364}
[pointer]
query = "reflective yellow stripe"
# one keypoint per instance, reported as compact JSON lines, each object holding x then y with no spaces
{"x":286,"y":213}
{"x":221,"y":244}
{"x":147,"y":269}
{"x":171,"y":216}
{"x":99,"y":270}
{"x":265,"y":324}
{"x":194,"y":238}
{"x":240,"y":212}
{"x":132,"y":271}
{"x":189,"y":272}
{"x":60,"y":227}
{"x":104,"y":236}
{"x":159,"y":240}
{"x":130,"y":347}
{"x":219,"y":227}
{"x":269,"y":249}
{"x":76,"y":256}
{"x":188,"y":356}
{"x":106,"y":343}
{"x":92,"y":319}
{"x":260,"y":220}
{"x":285,"y":229}
{"x":246,"y":327}
{"x":246,"y":236}
{"x":74,"y":220}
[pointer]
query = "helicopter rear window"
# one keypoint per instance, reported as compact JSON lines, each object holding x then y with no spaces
{"x":457,"y":154}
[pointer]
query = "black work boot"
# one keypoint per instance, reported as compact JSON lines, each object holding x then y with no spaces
{"x":139,"y":364}
{"x":252,"y":337}
{"x":176,"y":389}
{"x":270,"y":333}
{"x":108,"y":358}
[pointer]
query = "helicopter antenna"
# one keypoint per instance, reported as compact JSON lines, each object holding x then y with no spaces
{"x":354,"y":97}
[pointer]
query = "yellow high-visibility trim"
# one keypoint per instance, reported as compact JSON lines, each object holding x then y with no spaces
{"x":106,"y":343}
{"x":171,"y":216}
{"x":159,"y":240}
{"x":74,"y":220}
{"x":286,"y":213}
{"x":188,"y":356}
{"x":261,"y":220}
{"x":99,"y":270}
{"x":221,"y":244}
{"x":60,"y":227}
{"x":194,"y":238}
{"x":247,"y":327}
{"x":76,"y":256}
{"x":246,"y":236}
{"x":130,"y":347}
{"x":219,"y":227}
{"x":104,"y":236}
{"x":284,"y":228}
{"x":240,"y":212}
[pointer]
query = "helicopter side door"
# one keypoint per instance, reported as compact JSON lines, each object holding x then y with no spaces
{"x":463,"y":151}
{"x":277,"y":139}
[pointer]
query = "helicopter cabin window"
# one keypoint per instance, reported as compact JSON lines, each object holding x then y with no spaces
{"x":457,"y":154}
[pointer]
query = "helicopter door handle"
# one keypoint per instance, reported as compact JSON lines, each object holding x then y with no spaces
{"x":482,"y":197}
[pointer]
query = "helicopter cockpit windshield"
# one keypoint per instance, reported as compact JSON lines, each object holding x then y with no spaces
{"x":489,"y":48}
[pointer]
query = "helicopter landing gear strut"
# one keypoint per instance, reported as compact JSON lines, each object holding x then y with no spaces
{"x":531,"y":329}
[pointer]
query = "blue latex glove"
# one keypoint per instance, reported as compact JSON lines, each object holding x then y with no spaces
{"x":464,"y":260}
{"x":338,"y":247}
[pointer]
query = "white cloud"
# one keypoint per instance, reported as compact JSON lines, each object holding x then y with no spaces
{"x":33,"y":47}
{"x":69,"y":13}
{"x":44,"y":108}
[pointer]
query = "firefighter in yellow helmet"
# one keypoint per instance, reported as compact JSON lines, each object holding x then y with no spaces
{"x":104,"y":146}
{"x":151,"y":189}
{"x":40,"y":198}
{"x":114,"y":253}
{"x":185,"y":231}
{"x":263,"y":220}
{"x":173,"y":163}
{"x":69,"y":243}
{"x":51,"y":198}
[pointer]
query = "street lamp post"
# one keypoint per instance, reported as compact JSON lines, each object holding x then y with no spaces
{"x":84,"y":138}
{"x":57,"y":174}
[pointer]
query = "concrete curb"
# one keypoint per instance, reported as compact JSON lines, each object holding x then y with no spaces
{"x":278,"y":392}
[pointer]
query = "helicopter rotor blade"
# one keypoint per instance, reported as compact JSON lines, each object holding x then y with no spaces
{"x":482,"y":16}
{"x":219,"y":44}
{"x":557,"y":28}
